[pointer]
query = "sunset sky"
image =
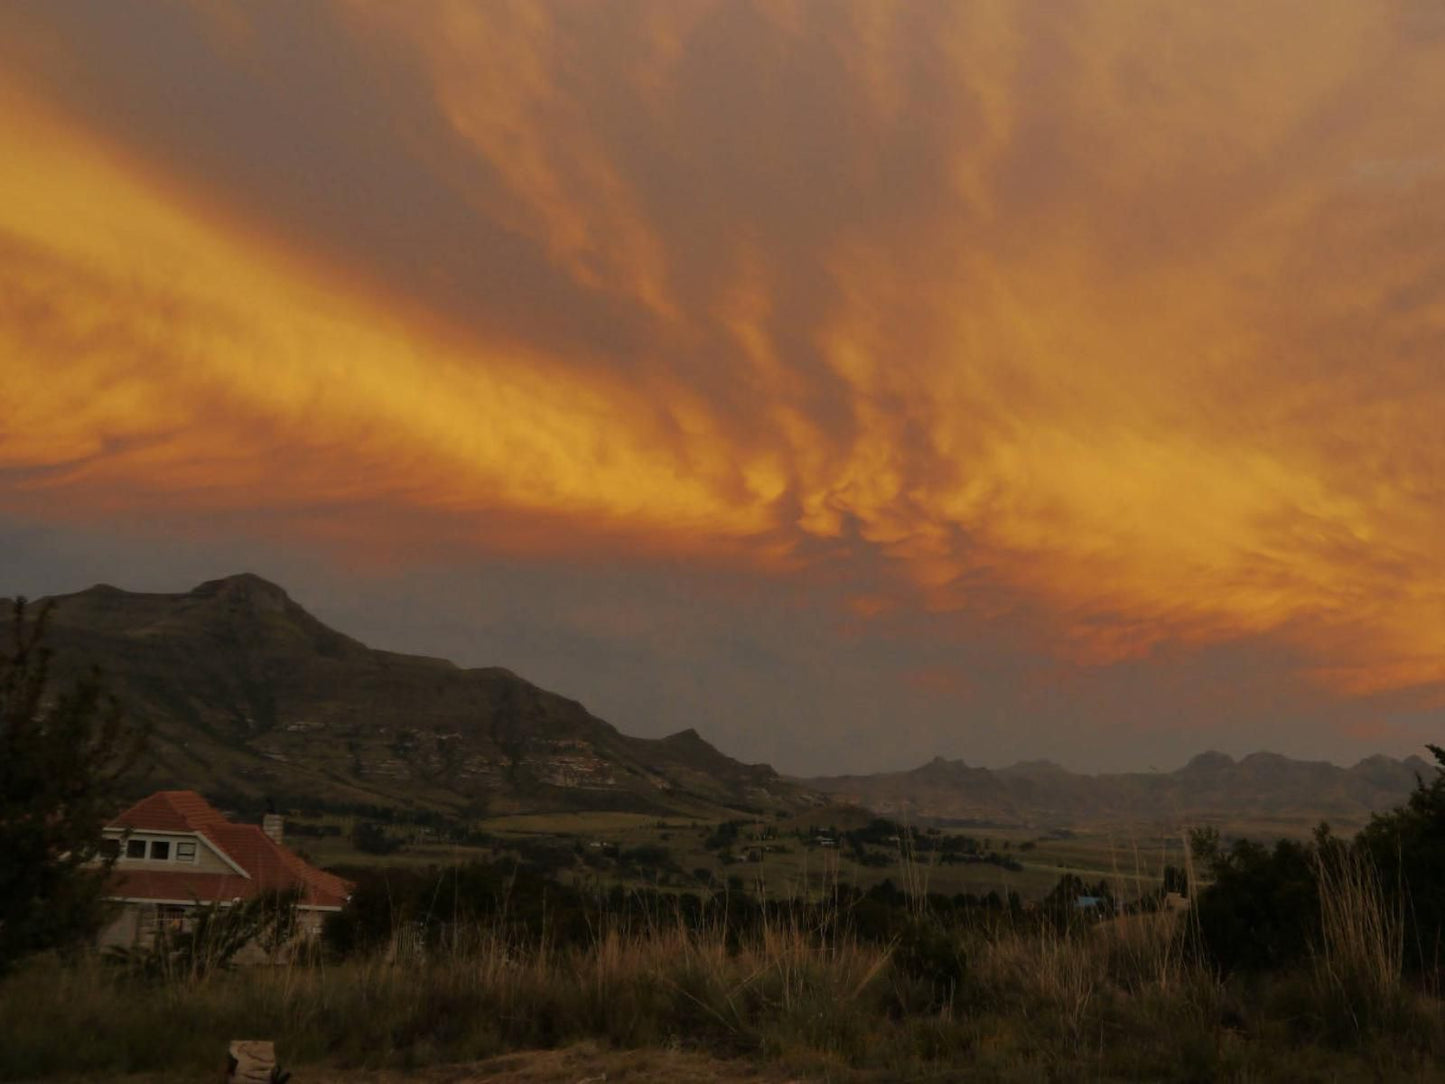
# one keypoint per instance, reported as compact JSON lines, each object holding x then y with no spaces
{"x":852,"y":382}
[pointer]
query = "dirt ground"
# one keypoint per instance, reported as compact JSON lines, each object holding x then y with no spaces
{"x":581,"y":1064}
{"x":584,"y":1064}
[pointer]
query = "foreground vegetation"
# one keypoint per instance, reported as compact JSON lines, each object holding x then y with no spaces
{"x":1310,"y":960}
{"x":1297,"y":963}
{"x":1119,"y":999}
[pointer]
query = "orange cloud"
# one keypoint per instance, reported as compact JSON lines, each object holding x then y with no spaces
{"x":151,"y":350}
{"x":1132,"y":312}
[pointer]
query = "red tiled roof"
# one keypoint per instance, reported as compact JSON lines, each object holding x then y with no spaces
{"x":179,"y":886}
{"x":170,"y":811}
{"x":268,"y":865}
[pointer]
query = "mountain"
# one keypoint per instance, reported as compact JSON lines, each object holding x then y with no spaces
{"x":248,"y":694}
{"x":1213,"y":787}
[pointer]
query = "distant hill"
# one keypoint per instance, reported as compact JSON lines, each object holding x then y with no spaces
{"x":1262,"y":788}
{"x":248,"y":694}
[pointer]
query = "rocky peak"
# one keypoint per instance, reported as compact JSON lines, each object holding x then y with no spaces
{"x":247,"y":588}
{"x":1211,"y":761}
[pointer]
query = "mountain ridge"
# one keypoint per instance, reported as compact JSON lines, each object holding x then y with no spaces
{"x":251,"y":694}
{"x":248,"y":693}
{"x":1211,"y":786}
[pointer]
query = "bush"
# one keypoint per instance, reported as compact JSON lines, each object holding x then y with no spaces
{"x":1263,"y":910}
{"x":370,"y":838}
{"x":649,"y":858}
{"x":723,"y":836}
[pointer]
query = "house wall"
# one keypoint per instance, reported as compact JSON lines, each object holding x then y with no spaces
{"x":309,"y":922}
{"x":207,"y":860}
{"x":123,"y":930}
{"x":134,"y":927}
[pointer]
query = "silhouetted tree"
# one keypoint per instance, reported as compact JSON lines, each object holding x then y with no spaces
{"x":370,"y":838}
{"x":61,"y":756}
{"x":1263,"y":910}
{"x":1407,"y":846}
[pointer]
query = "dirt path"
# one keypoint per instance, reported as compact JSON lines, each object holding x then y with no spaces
{"x":585,"y":1063}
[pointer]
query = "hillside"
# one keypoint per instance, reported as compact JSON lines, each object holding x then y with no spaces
{"x":248,"y":694}
{"x":1260,"y":788}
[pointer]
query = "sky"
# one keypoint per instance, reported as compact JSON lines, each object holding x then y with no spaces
{"x":853,"y":382}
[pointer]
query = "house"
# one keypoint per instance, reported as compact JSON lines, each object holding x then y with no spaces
{"x":174,"y":851}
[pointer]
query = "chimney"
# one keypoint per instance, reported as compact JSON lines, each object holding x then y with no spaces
{"x":273,"y":826}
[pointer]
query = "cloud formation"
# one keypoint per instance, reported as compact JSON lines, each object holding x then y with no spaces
{"x":1122,"y":321}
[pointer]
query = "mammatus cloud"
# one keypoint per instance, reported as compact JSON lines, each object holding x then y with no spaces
{"x":1129,"y":316}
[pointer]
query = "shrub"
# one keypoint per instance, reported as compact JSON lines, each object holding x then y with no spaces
{"x":1263,"y":910}
{"x":370,"y":838}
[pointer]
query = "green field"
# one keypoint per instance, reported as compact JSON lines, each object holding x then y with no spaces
{"x":775,"y":858}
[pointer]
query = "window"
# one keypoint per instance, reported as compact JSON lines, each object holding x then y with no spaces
{"x":135,"y":848}
{"x":185,"y":852}
{"x":173,"y":919}
{"x":160,"y":850}
{"x":110,"y":848}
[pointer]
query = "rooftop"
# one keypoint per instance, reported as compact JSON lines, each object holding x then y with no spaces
{"x":268,"y":866}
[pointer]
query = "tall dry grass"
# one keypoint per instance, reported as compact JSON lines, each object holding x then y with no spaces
{"x":1124,"y":998}
{"x":1112,"y":1002}
{"x":1359,"y":965}
{"x":1362,"y":945}
{"x":781,"y":990}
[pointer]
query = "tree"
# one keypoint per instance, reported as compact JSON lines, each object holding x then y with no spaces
{"x":1205,"y":846}
{"x":1263,"y":910}
{"x":61,"y":758}
{"x":1407,"y":847}
{"x":370,"y":838}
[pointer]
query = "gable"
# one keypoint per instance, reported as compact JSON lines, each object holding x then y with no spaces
{"x":178,"y":834}
{"x":179,"y":850}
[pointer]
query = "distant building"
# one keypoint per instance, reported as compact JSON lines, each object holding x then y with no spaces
{"x":174,"y":852}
